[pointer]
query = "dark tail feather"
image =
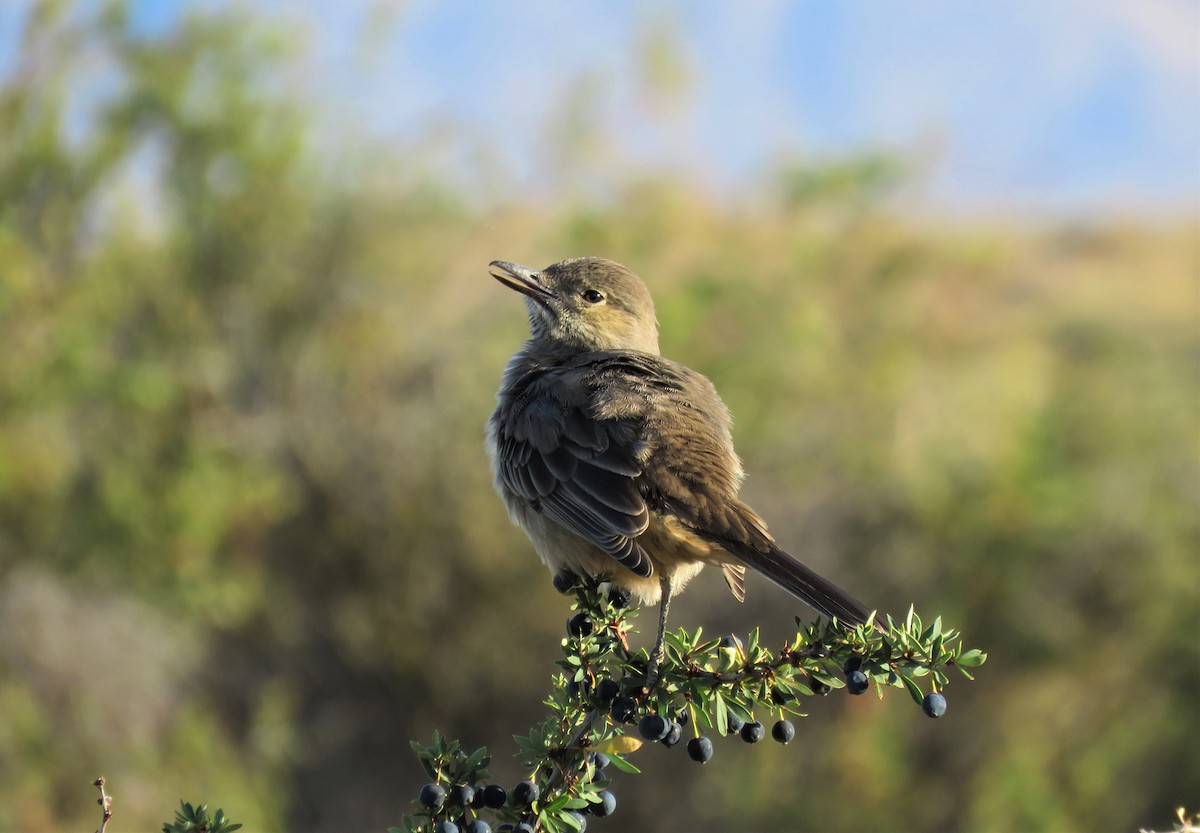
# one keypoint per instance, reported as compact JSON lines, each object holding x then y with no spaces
{"x":822,"y":594}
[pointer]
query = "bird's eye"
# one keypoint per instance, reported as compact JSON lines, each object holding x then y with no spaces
{"x":592,"y":296}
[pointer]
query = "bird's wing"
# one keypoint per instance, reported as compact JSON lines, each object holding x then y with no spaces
{"x":694,"y":475}
{"x":579,"y":468}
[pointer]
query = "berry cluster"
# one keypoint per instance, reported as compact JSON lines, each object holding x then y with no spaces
{"x":604,"y":708}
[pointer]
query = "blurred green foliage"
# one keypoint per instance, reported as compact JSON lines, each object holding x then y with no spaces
{"x":248,"y":544}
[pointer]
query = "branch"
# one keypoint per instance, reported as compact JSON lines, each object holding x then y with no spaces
{"x":105,"y":801}
{"x":718,"y":686}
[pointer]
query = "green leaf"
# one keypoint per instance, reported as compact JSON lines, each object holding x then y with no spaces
{"x":972,"y":658}
{"x":559,"y":803}
{"x":722,"y":717}
{"x":479,"y":758}
{"x":623,"y":764}
{"x":914,"y":690}
{"x":831,"y":681}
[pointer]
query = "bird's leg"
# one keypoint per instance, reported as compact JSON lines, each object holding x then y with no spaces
{"x":659,"y":653}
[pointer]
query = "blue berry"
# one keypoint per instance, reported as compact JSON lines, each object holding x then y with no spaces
{"x":607,"y":805}
{"x":700,"y":749}
{"x":623,"y":709}
{"x":857,"y":682}
{"x":479,"y":826}
{"x":819,"y":687}
{"x":599,"y":760}
{"x":565,"y":581}
{"x":462,"y":795}
{"x":934,"y":704}
{"x":619,"y":597}
{"x":523,"y":827}
{"x":673,"y":736}
{"x":753,"y":732}
{"x":654,"y":727}
{"x":433,"y":796}
{"x":525,"y":793}
{"x":446,"y":827}
{"x":783,"y":731}
{"x":607,"y":690}
{"x":579,"y":817}
{"x":735,"y":723}
{"x":581,"y":624}
{"x":494,"y":796}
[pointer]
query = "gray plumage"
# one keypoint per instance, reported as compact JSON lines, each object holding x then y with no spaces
{"x":618,"y":462}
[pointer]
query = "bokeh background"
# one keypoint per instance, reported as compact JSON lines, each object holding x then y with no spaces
{"x":940,"y":258}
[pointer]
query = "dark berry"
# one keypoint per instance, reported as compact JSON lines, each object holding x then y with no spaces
{"x":673,"y":736}
{"x":683,"y":718}
{"x":479,"y":826}
{"x":619,"y":597}
{"x":607,"y":690}
{"x":753,"y":732}
{"x":446,"y":827}
{"x":784,"y":731}
{"x":580,"y":624}
{"x":608,"y":804}
{"x":700,"y":749}
{"x":599,"y":760}
{"x":857,"y":682}
{"x":578,"y":688}
{"x":780,"y":697}
{"x":433,"y":796}
{"x":494,"y":796}
{"x":934,"y":704}
{"x":852,"y":664}
{"x":654,"y":727}
{"x":819,"y":687}
{"x":565,"y":581}
{"x":523,"y":827}
{"x":730,"y":641}
{"x":579,"y":817}
{"x":462,"y":795}
{"x":624,"y":709}
{"x":525,"y":793}
{"x":504,"y":828}
{"x":735,"y":723}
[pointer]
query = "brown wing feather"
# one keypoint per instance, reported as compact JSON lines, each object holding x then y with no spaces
{"x":575,"y":468}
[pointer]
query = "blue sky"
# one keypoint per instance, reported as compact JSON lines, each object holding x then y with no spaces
{"x":1057,"y":105}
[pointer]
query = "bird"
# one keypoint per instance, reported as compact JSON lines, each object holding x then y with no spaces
{"x":618,"y":463}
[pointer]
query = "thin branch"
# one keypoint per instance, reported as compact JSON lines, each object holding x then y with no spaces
{"x":105,"y":801}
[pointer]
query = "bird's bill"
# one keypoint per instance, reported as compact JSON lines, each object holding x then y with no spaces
{"x":520,"y":278}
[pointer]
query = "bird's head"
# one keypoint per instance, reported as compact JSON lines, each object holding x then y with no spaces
{"x":584,"y":304}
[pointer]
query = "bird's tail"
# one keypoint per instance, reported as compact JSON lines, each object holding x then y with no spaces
{"x":803,"y":583}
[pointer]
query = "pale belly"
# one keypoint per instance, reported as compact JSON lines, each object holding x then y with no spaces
{"x":673,"y":550}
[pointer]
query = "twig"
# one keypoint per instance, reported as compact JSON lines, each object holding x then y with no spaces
{"x":105,"y":801}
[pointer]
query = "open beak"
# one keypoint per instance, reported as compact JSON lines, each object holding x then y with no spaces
{"x":520,"y":278}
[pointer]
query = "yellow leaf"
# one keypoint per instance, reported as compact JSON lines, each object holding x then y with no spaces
{"x":621,"y":744}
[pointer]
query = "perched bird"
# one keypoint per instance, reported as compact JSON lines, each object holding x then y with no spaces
{"x":619,"y":463}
